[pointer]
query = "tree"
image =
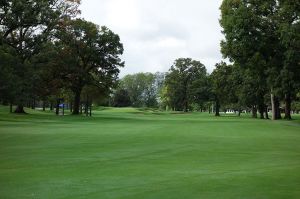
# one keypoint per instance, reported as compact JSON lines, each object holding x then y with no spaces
{"x":142,"y":88}
{"x":252,"y":41}
{"x":288,"y":18}
{"x":121,"y":98}
{"x":200,"y":91}
{"x":89,"y":55}
{"x":46,"y":82}
{"x":9,"y":82}
{"x":24,"y":26}
{"x":222,"y":85}
{"x":184,"y":81}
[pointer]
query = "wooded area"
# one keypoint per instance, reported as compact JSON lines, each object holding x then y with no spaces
{"x":49,"y":56}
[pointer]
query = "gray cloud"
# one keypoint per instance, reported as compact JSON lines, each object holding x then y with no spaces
{"x":157,"y":32}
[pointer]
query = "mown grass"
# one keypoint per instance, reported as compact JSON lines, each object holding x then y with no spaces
{"x":136,"y":153}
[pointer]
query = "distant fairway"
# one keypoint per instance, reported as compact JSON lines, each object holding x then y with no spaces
{"x":134,"y":154}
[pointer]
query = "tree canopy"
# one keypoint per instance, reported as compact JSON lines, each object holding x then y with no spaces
{"x":49,"y":54}
{"x":185,"y":83}
{"x":261,"y":38}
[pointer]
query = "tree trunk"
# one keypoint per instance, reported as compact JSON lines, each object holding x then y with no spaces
{"x":266,"y":112}
{"x":273,"y":106}
{"x":254,"y":111}
{"x":33,"y":104}
{"x":185,"y":106}
{"x":63,"y":109}
{"x":44,"y":106}
{"x":76,"y":106}
{"x":71,"y":107}
{"x":51,"y":106}
{"x":10,"y":107}
{"x":277,"y":108}
{"x":86,"y":109}
{"x":239,"y":113}
{"x":261,"y":109}
{"x":217,"y":108}
{"x":91,"y":108}
{"x":57,"y":107}
{"x":20,"y":109}
{"x":288,"y":102}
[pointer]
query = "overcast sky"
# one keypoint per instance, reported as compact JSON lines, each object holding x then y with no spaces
{"x":156,"y":32}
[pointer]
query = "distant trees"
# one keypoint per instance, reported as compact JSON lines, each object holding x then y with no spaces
{"x":185,"y":84}
{"x":139,"y":90}
{"x":121,"y":98}
{"x":238,"y":89}
{"x":222,"y":89}
{"x":262,"y":43}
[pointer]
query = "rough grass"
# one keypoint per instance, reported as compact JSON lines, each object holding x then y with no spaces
{"x":131,"y":153}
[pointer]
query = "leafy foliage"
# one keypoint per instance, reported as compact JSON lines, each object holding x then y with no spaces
{"x":186,"y":83}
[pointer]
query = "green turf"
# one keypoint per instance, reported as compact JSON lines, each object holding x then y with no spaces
{"x":143,"y":154}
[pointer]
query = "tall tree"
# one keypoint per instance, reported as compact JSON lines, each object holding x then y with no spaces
{"x":121,"y":98}
{"x":288,"y":19}
{"x":183,"y":82}
{"x":222,"y":88}
{"x":24,"y":26}
{"x":252,"y":41}
{"x":9,"y":82}
{"x":47,"y":82}
{"x":89,"y":55}
{"x":142,"y":88}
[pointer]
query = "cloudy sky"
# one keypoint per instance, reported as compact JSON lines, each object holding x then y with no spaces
{"x":156,"y":32}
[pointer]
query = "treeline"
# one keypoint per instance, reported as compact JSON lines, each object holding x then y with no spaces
{"x":49,"y":55}
{"x":262,"y":43}
{"x":187,"y":86}
{"x":139,"y":90}
{"x":262,"y":39}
